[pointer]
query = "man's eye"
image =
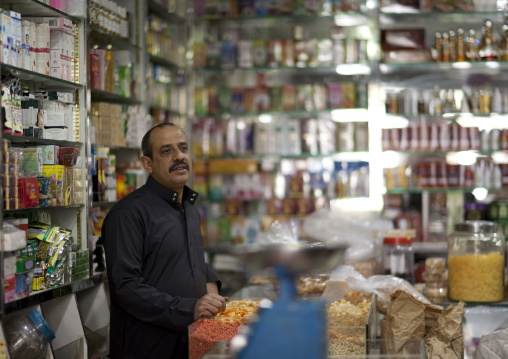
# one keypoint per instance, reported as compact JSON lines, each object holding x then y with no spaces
{"x":184,"y":148}
{"x":166,"y":151}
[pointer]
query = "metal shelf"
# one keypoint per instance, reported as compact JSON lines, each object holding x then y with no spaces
{"x":34,"y":8}
{"x":296,"y":113}
{"x":344,"y":19}
{"x":39,"y":297}
{"x":100,"y":40}
{"x":171,"y":111}
{"x":25,"y":140}
{"x":118,"y":148}
{"x":345,"y":156}
{"x":104,"y":96}
{"x":437,"y":190}
{"x":160,"y":10}
{"x":425,"y":17}
{"x":31,"y":77}
{"x":163,"y":62}
{"x":430,"y":247}
{"x":355,"y":69}
{"x":36,"y":209}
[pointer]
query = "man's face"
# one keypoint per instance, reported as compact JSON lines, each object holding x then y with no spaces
{"x":171,"y":163}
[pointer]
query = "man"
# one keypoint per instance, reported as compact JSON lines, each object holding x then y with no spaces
{"x":159,"y":282}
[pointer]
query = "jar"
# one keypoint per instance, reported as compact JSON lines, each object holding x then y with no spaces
{"x":398,"y":256}
{"x":476,"y":257}
{"x":28,"y":336}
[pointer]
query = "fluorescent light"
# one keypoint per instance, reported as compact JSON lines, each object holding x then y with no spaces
{"x":350,"y":115}
{"x":349,"y":20}
{"x":394,"y":121}
{"x":464,"y":158}
{"x":390,"y":159}
{"x":494,"y":121}
{"x":480,"y":193}
{"x":461,"y":65}
{"x":492,"y":64}
{"x":353,"y":69}
{"x":264,"y":118}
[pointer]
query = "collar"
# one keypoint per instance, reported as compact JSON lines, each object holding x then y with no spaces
{"x":168,"y":194}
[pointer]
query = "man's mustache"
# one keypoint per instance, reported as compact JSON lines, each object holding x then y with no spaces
{"x":174,"y":166}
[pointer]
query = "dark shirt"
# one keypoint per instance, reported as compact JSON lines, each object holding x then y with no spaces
{"x":156,"y":271}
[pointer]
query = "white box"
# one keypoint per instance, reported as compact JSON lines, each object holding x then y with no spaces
{"x":33,"y":47}
{"x":56,"y":119}
{"x":57,"y":53}
{"x":56,"y":133}
{"x":25,"y":45}
{"x":42,"y":49}
{"x":16,"y":38}
{"x":57,"y":23}
{"x":5,"y":20}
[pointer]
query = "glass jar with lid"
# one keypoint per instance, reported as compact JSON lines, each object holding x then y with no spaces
{"x":476,"y":261}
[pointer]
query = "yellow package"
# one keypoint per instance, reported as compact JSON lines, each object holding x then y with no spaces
{"x":57,"y":174}
{"x":42,"y":232}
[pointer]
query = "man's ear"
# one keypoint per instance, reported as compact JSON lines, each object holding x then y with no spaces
{"x":146,"y":162}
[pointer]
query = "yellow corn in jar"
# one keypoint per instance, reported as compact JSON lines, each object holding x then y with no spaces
{"x":476,"y":257}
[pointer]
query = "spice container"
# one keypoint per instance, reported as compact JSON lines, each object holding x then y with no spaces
{"x":398,"y":254}
{"x":476,"y":257}
{"x":28,"y":336}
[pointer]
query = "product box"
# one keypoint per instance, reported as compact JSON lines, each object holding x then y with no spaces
{"x":28,"y":192}
{"x":245,"y":54}
{"x":45,"y":192}
{"x":32,"y":165}
{"x":57,"y":54}
{"x":228,"y":54}
{"x":69,"y":186}
{"x":16,"y":38}
{"x":5,"y":27}
{"x":213,"y":49}
{"x":57,"y":23}
{"x":260,"y":54}
{"x":33,"y":47}
{"x":348,"y":92}
{"x":50,"y":154}
{"x":42,"y":57}
{"x":57,"y":174}
{"x":56,"y":133}
{"x":25,"y":45}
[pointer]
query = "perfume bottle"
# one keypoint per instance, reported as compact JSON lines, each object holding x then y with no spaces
{"x":488,"y":44}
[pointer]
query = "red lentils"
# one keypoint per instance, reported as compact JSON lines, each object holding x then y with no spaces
{"x":204,"y":333}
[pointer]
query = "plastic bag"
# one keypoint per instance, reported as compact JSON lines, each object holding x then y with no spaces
{"x":493,"y":345}
{"x":345,"y":278}
{"x":356,"y":228}
{"x":279,"y":233}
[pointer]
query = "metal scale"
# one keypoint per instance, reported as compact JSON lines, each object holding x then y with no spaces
{"x":291,"y":327}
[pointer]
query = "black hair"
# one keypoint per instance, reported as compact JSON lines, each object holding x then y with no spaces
{"x":145,"y":142}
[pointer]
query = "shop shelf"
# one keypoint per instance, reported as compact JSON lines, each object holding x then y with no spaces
{"x":118,"y":148}
{"x":344,"y":156}
{"x":160,"y":10}
{"x":345,"y":19}
{"x":104,"y":96}
{"x":388,"y":17}
{"x":34,"y":8}
{"x":169,"y":110}
{"x":35,"y":78}
{"x":341,"y":69}
{"x":25,"y":140}
{"x":432,"y":248}
{"x":42,"y":296}
{"x":99,"y":39}
{"x":296,"y":113}
{"x":163,"y":62}
{"x":103,"y":203}
{"x":437,"y":190}
{"x":36,"y":209}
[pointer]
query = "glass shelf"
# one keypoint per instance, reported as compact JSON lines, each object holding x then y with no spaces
{"x":160,"y":10}
{"x":171,"y":111}
{"x":38,"y":297}
{"x":45,"y":81}
{"x":104,"y":203}
{"x":118,"y":148}
{"x":104,"y":96}
{"x":346,"y":18}
{"x":101,"y":40}
{"x":162,"y":62}
{"x":437,"y":190}
{"x":345,"y":156}
{"x":424,"y":17}
{"x":25,"y":140}
{"x":34,"y":8}
{"x":36,"y":209}
{"x":412,"y":67}
{"x":341,"y":69}
{"x":297,"y":113}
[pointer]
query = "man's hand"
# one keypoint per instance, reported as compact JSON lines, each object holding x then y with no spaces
{"x":209,"y":305}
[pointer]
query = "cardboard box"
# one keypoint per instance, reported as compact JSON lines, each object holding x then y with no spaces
{"x":57,"y":173}
{"x":5,"y":26}
{"x":32,"y":164}
{"x":50,"y":154}
{"x":25,"y":45}
{"x":16,"y":38}
{"x":33,"y":47}
{"x":28,"y":192}
{"x":42,"y":59}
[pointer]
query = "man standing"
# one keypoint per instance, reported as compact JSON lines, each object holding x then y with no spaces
{"x":158,"y":279}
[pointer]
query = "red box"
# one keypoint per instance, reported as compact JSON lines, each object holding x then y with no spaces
{"x":28,"y":192}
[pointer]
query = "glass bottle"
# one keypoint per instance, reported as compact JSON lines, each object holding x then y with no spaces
{"x":301,"y":55}
{"x":446,"y":47}
{"x":420,"y":108}
{"x":471,"y":46}
{"x":437,"y":52}
{"x":503,"y":44}
{"x":460,"y":50}
{"x":488,"y":44}
{"x":453,"y":46}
